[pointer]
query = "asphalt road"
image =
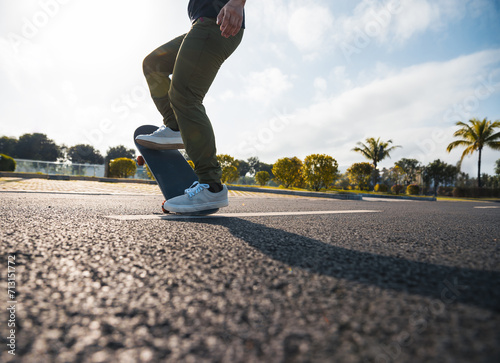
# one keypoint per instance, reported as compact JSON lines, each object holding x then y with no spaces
{"x":404,"y":282}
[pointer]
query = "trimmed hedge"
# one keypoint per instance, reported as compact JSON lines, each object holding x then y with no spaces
{"x":413,"y":189}
{"x":460,"y":192}
{"x":122,"y":168}
{"x":381,"y":188}
{"x":7,"y":163}
{"x":445,"y":191}
{"x":397,"y":188}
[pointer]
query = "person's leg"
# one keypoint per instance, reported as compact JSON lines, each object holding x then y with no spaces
{"x":201,"y":54}
{"x":157,"y":67}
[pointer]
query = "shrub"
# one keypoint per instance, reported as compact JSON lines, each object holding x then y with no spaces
{"x":381,"y":188}
{"x":397,"y":188}
{"x":460,"y":192}
{"x":445,"y":191}
{"x":246,"y":180}
{"x":412,"y":189}
{"x":7,"y":163}
{"x":343,"y":182}
{"x":122,"y":168}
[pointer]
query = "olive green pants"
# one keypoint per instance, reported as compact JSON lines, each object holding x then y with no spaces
{"x":192,"y":60}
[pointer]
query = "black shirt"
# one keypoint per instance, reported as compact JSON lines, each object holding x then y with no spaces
{"x":207,"y":8}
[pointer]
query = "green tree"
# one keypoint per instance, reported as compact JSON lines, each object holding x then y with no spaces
{"x":375,"y":150}
{"x":122,"y":168}
{"x":243,"y":168}
{"x":229,"y":168}
{"x":253,"y":165}
{"x":396,"y":174}
{"x":385,"y":177}
{"x":342,"y":182}
{"x":319,"y":170}
{"x":230,"y":174}
{"x":497,"y":167}
{"x":359,"y":174}
{"x":226,"y":160}
{"x":265,"y":167}
{"x":288,"y":171}
{"x":474,"y":137}
{"x":8,"y":146}
{"x":84,"y":154}
{"x":490,"y":181}
{"x":463,"y":180}
{"x":120,"y":152}
{"x":411,"y":168}
{"x":37,"y":147}
{"x":150,"y":174}
{"x":262,"y":178}
{"x":439,"y":172}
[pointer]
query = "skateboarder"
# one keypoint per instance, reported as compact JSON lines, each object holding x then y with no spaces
{"x":193,"y":60}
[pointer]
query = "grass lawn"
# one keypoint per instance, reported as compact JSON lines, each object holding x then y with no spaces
{"x":342,"y":191}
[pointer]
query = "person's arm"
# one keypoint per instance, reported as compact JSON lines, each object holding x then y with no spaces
{"x":231,"y":17}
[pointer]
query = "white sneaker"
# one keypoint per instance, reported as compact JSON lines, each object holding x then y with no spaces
{"x":162,"y":139}
{"x":197,"y":198}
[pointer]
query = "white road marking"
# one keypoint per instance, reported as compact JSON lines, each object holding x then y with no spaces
{"x":235,"y":215}
{"x":370,"y":199}
{"x":490,"y":207}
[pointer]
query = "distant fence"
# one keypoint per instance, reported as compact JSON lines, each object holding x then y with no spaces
{"x":55,"y":168}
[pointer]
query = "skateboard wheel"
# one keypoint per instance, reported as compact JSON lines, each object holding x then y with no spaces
{"x":163,"y":209}
{"x":140,"y":160}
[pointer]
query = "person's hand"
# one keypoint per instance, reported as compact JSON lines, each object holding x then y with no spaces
{"x":231,"y":17}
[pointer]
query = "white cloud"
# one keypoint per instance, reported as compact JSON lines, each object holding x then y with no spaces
{"x":306,"y":24}
{"x":415,"y":16}
{"x":320,"y":85}
{"x":395,"y":22}
{"x":309,"y":27}
{"x":267,"y":85}
{"x":270,"y":15}
{"x":414,"y":107}
{"x":314,"y":30}
{"x":227,"y":95}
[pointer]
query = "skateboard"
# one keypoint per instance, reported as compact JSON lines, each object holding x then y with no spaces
{"x":170,"y":169}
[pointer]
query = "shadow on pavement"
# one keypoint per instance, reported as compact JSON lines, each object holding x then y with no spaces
{"x":447,"y":284}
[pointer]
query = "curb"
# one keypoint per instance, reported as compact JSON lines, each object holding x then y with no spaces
{"x":404,"y":197}
{"x":297,"y":193}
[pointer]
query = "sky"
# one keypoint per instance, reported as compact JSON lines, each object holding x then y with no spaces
{"x":310,"y":76}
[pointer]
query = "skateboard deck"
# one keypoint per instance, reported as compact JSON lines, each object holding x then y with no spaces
{"x":170,"y":169}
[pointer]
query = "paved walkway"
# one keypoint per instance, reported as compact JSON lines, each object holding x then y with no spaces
{"x":75,"y":186}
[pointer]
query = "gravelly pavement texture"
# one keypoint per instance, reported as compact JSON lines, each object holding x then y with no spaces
{"x":415,"y":282}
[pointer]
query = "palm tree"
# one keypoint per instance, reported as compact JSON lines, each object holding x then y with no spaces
{"x":375,"y":150}
{"x":474,"y":137}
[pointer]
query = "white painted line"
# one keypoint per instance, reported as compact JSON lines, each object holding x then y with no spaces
{"x":391,"y":200}
{"x":235,"y":215}
{"x":487,"y":207}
